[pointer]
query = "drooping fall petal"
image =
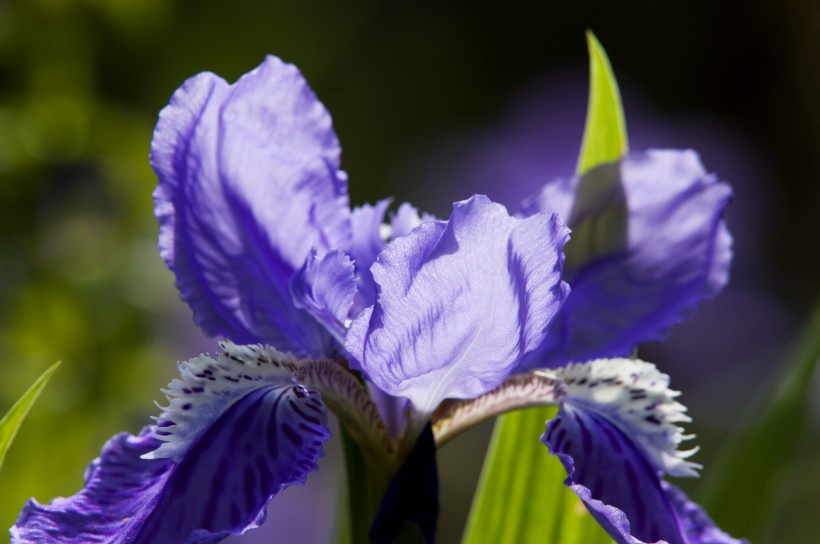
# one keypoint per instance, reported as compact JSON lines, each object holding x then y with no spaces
{"x":237,"y":431}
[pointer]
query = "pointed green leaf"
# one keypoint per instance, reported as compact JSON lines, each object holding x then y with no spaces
{"x":11,"y":422}
{"x":521,"y":497}
{"x":605,"y":132}
{"x":743,"y":486}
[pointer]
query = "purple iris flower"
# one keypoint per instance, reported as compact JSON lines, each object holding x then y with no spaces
{"x":649,"y":243}
{"x":448,"y":322}
{"x":256,"y":226}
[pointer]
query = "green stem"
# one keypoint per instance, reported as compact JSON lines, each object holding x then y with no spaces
{"x":362,"y":503}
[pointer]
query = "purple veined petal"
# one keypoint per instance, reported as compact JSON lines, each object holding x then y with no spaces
{"x":620,"y":489}
{"x":634,"y":396}
{"x":616,"y":435}
{"x":237,"y":431}
{"x":369,"y":238}
{"x":393,"y":410}
{"x":649,"y":243}
{"x":325,"y":287}
{"x":249,"y":182}
{"x":695,"y":523}
{"x":370,"y":235}
{"x":406,"y":219}
{"x":460,"y":303}
{"x":121,"y":490}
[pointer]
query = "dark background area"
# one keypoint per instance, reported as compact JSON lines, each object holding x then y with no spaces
{"x":412,"y":88}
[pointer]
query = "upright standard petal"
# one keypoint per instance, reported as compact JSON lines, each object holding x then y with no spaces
{"x":370,"y":235}
{"x":368,"y":239}
{"x":249,"y":183}
{"x":237,"y":431}
{"x":649,"y":243}
{"x":616,"y":435}
{"x":326,"y":287}
{"x":459,"y":303}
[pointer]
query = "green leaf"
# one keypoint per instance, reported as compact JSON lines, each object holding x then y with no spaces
{"x":521,"y":497}
{"x":359,"y":502}
{"x":744,"y":485}
{"x":11,"y":422}
{"x":605,"y":132}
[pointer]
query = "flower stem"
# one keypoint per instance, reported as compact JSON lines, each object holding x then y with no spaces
{"x":361,"y":503}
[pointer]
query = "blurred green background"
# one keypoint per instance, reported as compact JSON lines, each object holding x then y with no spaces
{"x":82,"y":82}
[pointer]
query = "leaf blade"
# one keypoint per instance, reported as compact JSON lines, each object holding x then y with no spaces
{"x":605,"y":138}
{"x":528,"y":503}
{"x":13,"y":419}
{"x":745,"y":482}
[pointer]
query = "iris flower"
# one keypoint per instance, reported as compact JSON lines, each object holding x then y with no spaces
{"x":409,"y":331}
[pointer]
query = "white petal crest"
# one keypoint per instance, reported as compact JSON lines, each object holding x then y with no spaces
{"x":208,"y":386}
{"x":635,"y":396}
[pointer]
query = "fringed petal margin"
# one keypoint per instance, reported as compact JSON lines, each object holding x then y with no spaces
{"x":237,"y":431}
{"x":616,"y":435}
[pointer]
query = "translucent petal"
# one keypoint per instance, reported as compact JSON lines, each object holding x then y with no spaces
{"x":325,"y":287}
{"x":249,"y":183}
{"x":460,"y":303}
{"x":649,"y":243}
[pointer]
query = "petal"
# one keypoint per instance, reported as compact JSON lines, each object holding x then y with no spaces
{"x":370,"y":235}
{"x":649,"y":243}
{"x":121,"y":490}
{"x":635,"y":397}
{"x":406,"y":219}
{"x":238,"y":430}
{"x":695,"y":524}
{"x":460,"y":303}
{"x":611,"y":476}
{"x":394,"y":411}
{"x":615,"y":434}
{"x":325,"y":287}
{"x":367,"y":241}
{"x":249,"y":182}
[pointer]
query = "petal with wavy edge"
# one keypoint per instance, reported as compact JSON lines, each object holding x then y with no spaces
{"x":615,"y":433}
{"x":635,"y":397}
{"x":237,"y":431}
{"x":370,"y":235}
{"x":460,"y":303}
{"x":695,"y":524}
{"x":612,"y":477}
{"x":369,"y":238}
{"x":121,"y":490}
{"x":326,"y":287}
{"x":649,"y":243}
{"x":249,"y":182}
{"x":367,"y":241}
{"x":406,"y":219}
